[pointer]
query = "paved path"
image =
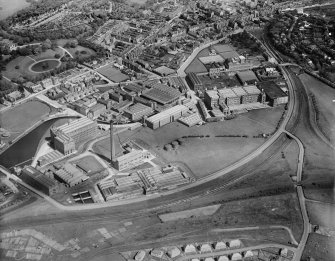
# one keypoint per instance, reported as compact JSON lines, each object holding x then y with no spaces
{"x":66,"y":51}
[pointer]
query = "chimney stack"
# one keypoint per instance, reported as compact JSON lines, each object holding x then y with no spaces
{"x":112,"y":142}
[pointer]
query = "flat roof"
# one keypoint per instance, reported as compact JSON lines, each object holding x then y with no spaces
{"x":211,"y":59}
{"x":272,"y":89}
{"x":247,"y":76}
{"x":251,"y":89}
{"x":113,"y":74}
{"x":227,"y":93}
{"x":165,"y":70}
{"x":167,"y":113}
{"x":239,"y":91}
{"x":74,"y":125}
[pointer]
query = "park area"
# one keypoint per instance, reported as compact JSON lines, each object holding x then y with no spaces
{"x":31,"y":66}
{"x":204,"y":149}
{"x":19,"y":119}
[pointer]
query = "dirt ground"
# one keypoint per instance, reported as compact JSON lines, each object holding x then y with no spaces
{"x":321,"y":248}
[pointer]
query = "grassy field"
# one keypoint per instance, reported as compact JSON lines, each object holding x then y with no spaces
{"x":215,"y":152}
{"x":196,"y":66}
{"x":321,"y":248}
{"x":321,"y":214}
{"x":24,"y":62}
{"x":22,"y":117}
{"x":83,"y":52}
{"x":324,"y":96}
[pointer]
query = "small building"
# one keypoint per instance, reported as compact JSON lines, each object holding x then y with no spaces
{"x":248,"y":254}
{"x":190,"y":249}
{"x":140,"y":255}
{"x":205,"y":248}
{"x":157,"y":253}
{"x":236,"y":256}
{"x":220,"y":245}
{"x":236,"y":243}
{"x":173,"y":252}
{"x":38,"y":180}
{"x":223,"y":258}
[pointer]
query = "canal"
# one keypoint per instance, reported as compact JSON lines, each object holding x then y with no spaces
{"x":25,"y":148}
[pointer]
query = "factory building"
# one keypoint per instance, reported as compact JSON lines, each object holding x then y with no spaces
{"x":194,"y":82}
{"x":137,"y":111}
{"x":38,"y":180}
{"x":252,"y":94}
{"x":229,"y":97}
{"x":73,"y":133}
{"x":191,"y":120}
{"x":167,"y":116}
{"x":162,"y":94}
{"x":247,"y":77}
{"x":69,"y":175}
{"x":211,"y":98}
{"x":274,"y":95}
{"x":129,"y":160}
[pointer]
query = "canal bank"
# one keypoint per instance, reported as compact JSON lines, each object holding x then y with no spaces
{"x":24,"y":149}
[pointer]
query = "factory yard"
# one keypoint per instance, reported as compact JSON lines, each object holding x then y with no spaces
{"x":22,"y":117}
{"x":230,"y":149}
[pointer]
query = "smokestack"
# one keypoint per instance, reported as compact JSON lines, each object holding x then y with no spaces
{"x":112,"y":142}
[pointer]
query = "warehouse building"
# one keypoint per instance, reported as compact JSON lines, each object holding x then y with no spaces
{"x":162,"y":94}
{"x":38,"y":180}
{"x":191,"y":120}
{"x":274,"y":95}
{"x":69,"y":175}
{"x":167,"y":116}
{"x":247,"y":77}
{"x":73,"y":133}
{"x":137,"y":111}
{"x":194,"y":82}
{"x":211,"y":99}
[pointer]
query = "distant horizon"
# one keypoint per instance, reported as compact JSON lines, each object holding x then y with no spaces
{"x":7,"y":9}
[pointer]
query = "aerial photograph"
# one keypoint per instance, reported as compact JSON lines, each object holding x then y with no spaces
{"x":167,"y":130}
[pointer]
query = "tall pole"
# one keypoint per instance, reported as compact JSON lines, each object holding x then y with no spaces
{"x":112,"y":142}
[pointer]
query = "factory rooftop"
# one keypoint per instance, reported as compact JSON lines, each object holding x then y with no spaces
{"x":75,"y":125}
{"x":271,"y":89}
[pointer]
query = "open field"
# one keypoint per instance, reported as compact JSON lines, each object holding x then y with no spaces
{"x":196,"y":66}
{"x":324,"y":95}
{"x":48,"y":54}
{"x":81,"y":52}
{"x":22,"y":117}
{"x":321,"y":248}
{"x":321,"y":214}
{"x":192,"y":213}
{"x":216,"y":152}
{"x":25,"y":62}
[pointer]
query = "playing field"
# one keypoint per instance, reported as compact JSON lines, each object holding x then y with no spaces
{"x":22,"y":117}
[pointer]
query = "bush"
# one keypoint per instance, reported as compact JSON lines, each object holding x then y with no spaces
{"x":57,"y":55}
{"x":17,"y":67}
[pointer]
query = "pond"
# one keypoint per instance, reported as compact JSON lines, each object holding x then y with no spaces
{"x":45,"y":65}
